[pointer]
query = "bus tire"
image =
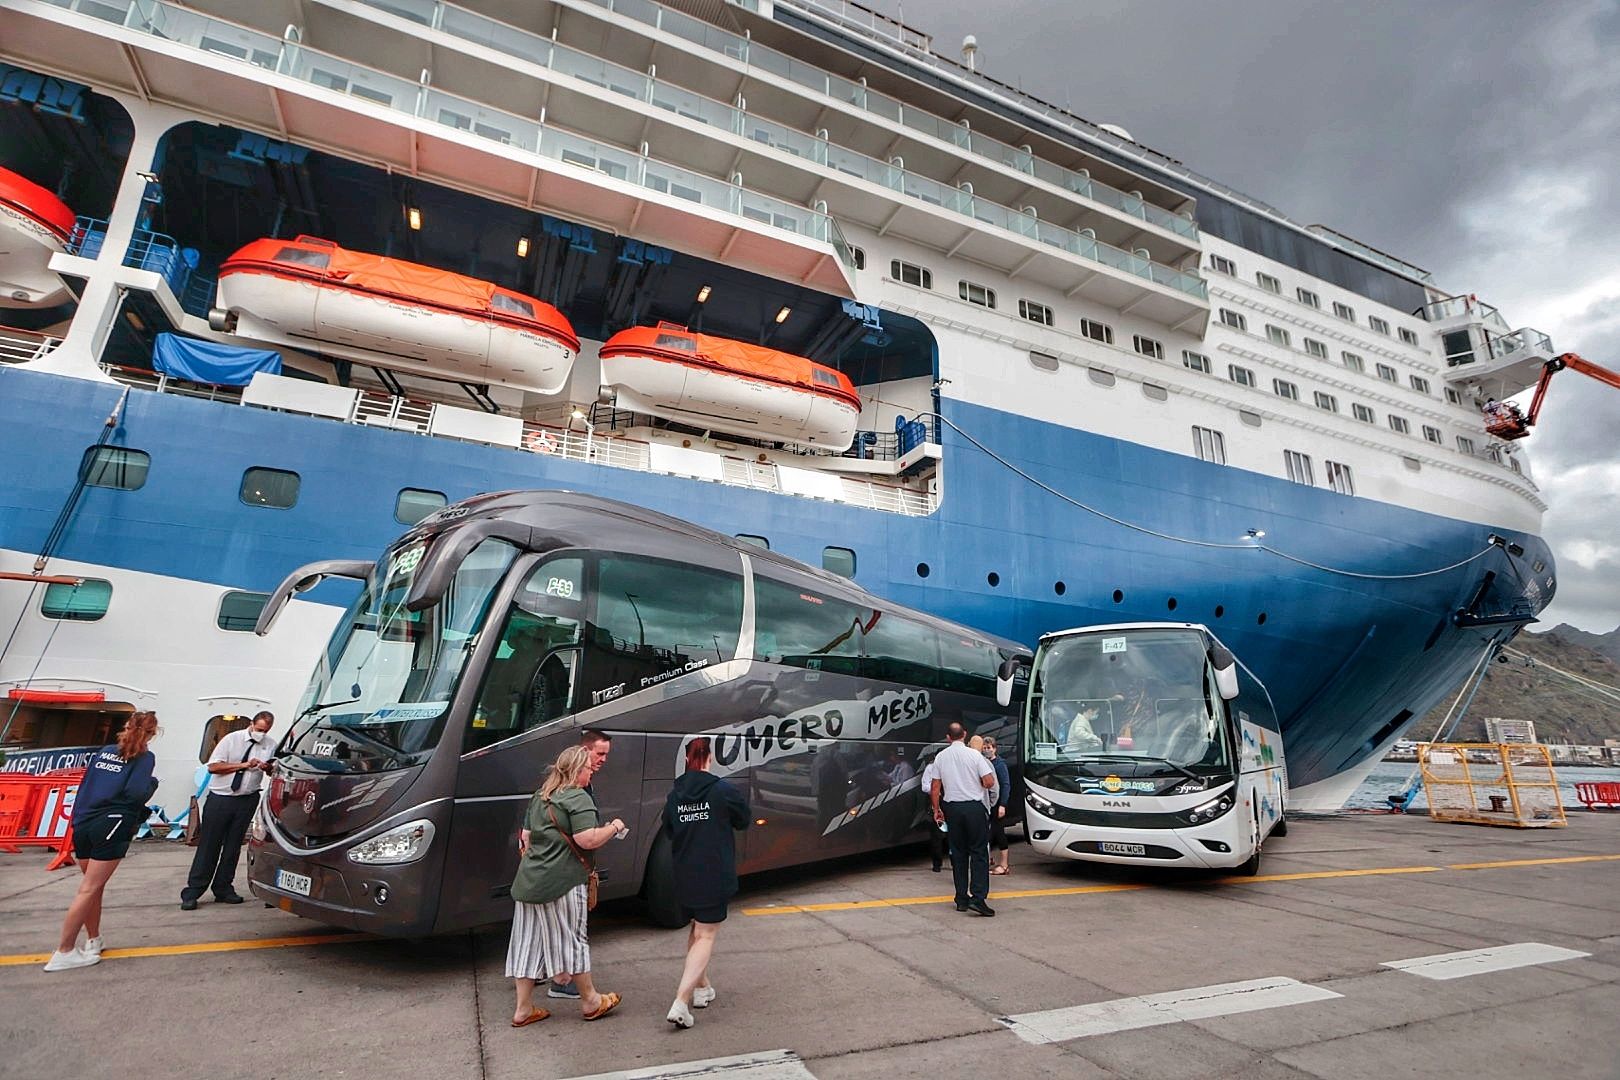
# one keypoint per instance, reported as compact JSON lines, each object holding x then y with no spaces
{"x":1251,"y":867}
{"x":658,"y":885}
{"x":1281,"y":828}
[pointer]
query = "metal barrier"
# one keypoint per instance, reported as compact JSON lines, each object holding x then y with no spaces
{"x":35,"y":811}
{"x":1596,"y":793}
{"x":1491,"y":784}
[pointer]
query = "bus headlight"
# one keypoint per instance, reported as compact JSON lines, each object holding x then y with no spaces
{"x":1209,"y":811}
{"x":1039,"y":805}
{"x":401,"y":844}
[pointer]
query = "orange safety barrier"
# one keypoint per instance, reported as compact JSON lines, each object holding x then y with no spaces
{"x":35,"y":811}
{"x":1595,"y":793}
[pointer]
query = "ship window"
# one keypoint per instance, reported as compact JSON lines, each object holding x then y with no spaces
{"x":1148,"y":347}
{"x":754,"y":541}
{"x":1250,"y":419}
{"x":1308,"y":298}
{"x":217,"y":728}
{"x":1035,"y":313}
{"x":1344,"y":311}
{"x":1400,"y":424}
{"x":823,"y":376}
{"x":1419,"y":383}
{"x":239,"y":611}
{"x":1433,"y":434}
{"x":1197,"y":361}
{"x":676,"y":341}
{"x":1340,"y":479}
{"x":1043,"y":361}
{"x":316,"y":260}
{"x":1234,"y":319}
{"x":115,"y":467}
{"x":1409,"y":336}
{"x":1316,"y":348}
{"x":1458,"y":346}
{"x":911,"y":274}
{"x":85,"y":602}
{"x":276,"y":488}
{"x":858,"y":257}
{"x":1209,"y":445}
{"x":1100,"y":377}
{"x":414,"y":504}
{"x":1241,"y":375}
{"x":1465,"y":444}
{"x":1354,"y":362}
{"x":512,"y":305}
{"x":974,"y":293}
{"x":1327,"y":402}
{"x":840,"y":561}
{"x":1277,"y":335}
{"x":1412,"y":463}
{"x":1268,"y":283}
{"x":1387,"y":373}
{"x":1377,"y":325}
{"x":1097,"y":331}
{"x":1299,"y":467}
{"x":1284,"y":388}
{"x":1155,"y":393}
{"x":1222,"y":265}
{"x":1453,"y":397}
{"x":1363,"y":413}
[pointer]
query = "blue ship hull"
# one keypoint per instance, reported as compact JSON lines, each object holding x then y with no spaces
{"x":1348,"y":660}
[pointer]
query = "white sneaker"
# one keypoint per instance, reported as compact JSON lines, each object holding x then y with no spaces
{"x":92,"y":947}
{"x":73,"y":958}
{"x":702,"y":997}
{"x":680,"y":1015}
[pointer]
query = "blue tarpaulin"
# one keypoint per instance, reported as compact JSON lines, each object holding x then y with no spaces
{"x":211,"y":362}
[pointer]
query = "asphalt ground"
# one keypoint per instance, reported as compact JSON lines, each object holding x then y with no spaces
{"x":865,"y":969}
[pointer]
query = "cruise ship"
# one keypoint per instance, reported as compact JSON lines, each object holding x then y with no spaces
{"x":280,"y":278}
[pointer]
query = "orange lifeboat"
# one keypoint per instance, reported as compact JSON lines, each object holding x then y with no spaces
{"x":730,"y":386}
{"x":34,"y":225}
{"x":311,"y":294}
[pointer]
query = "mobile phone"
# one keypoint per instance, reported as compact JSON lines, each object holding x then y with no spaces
{"x":621,"y":834}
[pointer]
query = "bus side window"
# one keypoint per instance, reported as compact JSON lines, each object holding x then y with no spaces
{"x":531,"y":678}
{"x":899,"y":650}
{"x":804,"y":630}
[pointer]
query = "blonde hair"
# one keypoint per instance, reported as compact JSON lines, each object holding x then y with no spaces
{"x":565,"y":771}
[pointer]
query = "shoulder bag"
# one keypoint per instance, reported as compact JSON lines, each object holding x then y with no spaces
{"x":592,"y":880}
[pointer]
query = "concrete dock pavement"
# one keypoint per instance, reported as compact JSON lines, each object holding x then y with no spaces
{"x":1322,"y":966}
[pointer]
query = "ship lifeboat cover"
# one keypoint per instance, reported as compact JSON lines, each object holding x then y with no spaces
{"x":731,"y":386}
{"x":22,"y":195}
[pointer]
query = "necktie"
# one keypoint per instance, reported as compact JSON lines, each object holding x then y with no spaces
{"x":236,"y":777}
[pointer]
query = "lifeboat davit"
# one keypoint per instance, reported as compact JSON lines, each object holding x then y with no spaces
{"x":311,"y":294}
{"x":730,"y":386}
{"x":34,"y":225}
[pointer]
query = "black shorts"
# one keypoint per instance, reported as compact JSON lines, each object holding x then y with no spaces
{"x":710,"y":915}
{"x":105,"y":834}
{"x":998,"y":832}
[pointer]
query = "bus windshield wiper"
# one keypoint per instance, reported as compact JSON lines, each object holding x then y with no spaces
{"x":313,"y":709}
{"x":1182,"y":769}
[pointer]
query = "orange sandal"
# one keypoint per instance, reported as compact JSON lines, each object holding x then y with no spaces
{"x":533,"y":1018}
{"x":610,"y":1002}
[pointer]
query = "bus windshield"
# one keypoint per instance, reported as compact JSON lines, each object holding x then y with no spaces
{"x":380,"y":692}
{"x":1136,"y":702}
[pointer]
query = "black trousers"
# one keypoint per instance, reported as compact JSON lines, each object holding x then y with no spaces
{"x":969,"y":828}
{"x":936,"y":843}
{"x":225,"y":820}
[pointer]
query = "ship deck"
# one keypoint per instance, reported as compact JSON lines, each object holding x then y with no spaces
{"x":865,"y":969}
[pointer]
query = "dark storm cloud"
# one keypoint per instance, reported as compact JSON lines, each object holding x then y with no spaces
{"x":1480,"y":140}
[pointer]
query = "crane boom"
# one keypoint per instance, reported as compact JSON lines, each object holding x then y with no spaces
{"x":1503,"y":418}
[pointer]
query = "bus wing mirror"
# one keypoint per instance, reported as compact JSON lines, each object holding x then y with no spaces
{"x":305,"y":578}
{"x":1225,"y":665}
{"x":1005,"y":677}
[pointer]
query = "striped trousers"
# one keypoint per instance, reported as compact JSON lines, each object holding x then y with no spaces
{"x":549,"y":939}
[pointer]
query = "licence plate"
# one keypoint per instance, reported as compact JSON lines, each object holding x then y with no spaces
{"x":1107,"y":848}
{"x":298,"y":883}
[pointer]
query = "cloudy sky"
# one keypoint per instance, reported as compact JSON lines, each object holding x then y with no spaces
{"x":1478,"y":140}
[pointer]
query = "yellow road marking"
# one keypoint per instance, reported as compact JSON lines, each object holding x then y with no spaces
{"x":247,"y":945}
{"x":1077,"y":890}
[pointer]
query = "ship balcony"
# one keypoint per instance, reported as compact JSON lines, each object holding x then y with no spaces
{"x":158,"y":50}
{"x":1458,"y":312}
{"x":1505,"y":365}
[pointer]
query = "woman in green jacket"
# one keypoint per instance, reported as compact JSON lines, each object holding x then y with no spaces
{"x":548,"y":923}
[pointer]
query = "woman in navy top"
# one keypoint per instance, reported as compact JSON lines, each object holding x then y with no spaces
{"x":108,"y":809}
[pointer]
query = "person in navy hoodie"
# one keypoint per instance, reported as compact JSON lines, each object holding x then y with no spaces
{"x":702,"y":814}
{"x":109,"y":807}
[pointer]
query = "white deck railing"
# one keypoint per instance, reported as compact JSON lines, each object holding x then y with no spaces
{"x":20,"y":346}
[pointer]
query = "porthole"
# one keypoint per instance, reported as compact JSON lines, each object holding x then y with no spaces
{"x":922,"y":569}
{"x":1118,"y":596}
{"x":1262,"y":619}
{"x":1171,"y":604}
{"x":1219,"y":610}
{"x":993,"y":578}
{"x":1060,"y":588}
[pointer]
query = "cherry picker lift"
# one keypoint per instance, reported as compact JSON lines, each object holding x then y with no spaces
{"x":1504,"y":419}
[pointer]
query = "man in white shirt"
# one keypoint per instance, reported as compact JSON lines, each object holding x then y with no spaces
{"x":961,"y":777}
{"x":236,"y":771}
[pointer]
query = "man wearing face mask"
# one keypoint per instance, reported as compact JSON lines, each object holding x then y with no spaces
{"x":236,"y":772}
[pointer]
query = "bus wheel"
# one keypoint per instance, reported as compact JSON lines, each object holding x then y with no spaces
{"x":658,"y":885}
{"x":1251,"y":867}
{"x":1281,"y":828}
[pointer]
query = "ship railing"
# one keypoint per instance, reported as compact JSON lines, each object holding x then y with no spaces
{"x":1455,"y":307}
{"x":21,"y":346}
{"x":152,"y":251}
{"x":162,"y":383}
{"x":1526,"y":340}
{"x":481,"y":30}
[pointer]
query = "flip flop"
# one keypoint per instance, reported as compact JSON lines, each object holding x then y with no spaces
{"x":533,"y":1018}
{"x":999,"y":870}
{"x":610,"y":1001}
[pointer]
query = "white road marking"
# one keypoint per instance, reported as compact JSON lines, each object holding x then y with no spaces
{"x":765,"y":1065}
{"x":1125,"y":1014}
{"x":1457,"y":965}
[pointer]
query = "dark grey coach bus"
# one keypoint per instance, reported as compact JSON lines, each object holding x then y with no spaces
{"x":491,"y":634}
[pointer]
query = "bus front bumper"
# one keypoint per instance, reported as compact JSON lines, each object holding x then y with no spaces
{"x":1214,"y":845}
{"x":390,"y":901}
